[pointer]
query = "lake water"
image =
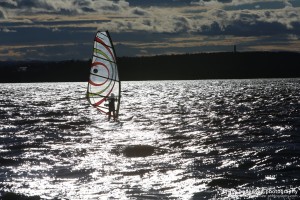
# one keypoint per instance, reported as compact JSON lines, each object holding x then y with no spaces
{"x":222,"y":139}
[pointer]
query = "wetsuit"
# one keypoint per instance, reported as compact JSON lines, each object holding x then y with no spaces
{"x":111,"y":104}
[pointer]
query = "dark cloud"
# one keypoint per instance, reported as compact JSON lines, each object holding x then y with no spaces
{"x":49,"y":6}
{"x":161,"y":3}
{"x":250,"y":22}
{"x":45,"y":44}
{"x":28,"y":3}
{"x":112,"y":7}
{"x":8,"y":4}
{"x":181,"y":24}
{"x":50,"y":24}
{"x":202,"y":2}
{"x":83,"y":3}
{"x":246,"y":17}
{"x":256,"y":5}
{"x":2,"y":14}
{"x":47,"y":36}
{"x":55,"y":52}
{"x":136,"y":24}
{"x":295,"y":3}
{"x":221,"y":1}
{"x":158,"y":44}
{"x":139,"y":11}
{"x":242,"y":27}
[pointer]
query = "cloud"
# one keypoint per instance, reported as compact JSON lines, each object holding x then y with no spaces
{"x":147,"y":24}
{"x":6,"y":30}
{"x":214,"y":19}
{"x":246,"y":4}
{"x":256,"y":22}
{"x":8,"y":3}
{"x":286,"y":46}
{"x":2,"y":14}
{"x":215,"y":2}
{"x":64,"y":7}
{"x":58,"y":51}
{"x":11,"y":54}
{"x":46,"y":6}
{"x":139,"y":11}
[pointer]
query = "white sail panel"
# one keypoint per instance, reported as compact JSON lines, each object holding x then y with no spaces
{"x":104,"y":38}
{"x":103,"y":51}
{"x":104,"y":78}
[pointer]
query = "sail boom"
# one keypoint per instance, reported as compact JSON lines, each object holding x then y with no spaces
{"x":104,"y":59}
{"x":95,"y":95}
{"x":105,"y":77}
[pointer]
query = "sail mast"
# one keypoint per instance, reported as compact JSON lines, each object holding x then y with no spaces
{"x":119,"y":96}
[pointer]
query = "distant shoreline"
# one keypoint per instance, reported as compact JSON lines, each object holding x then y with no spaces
{"x":225,"y":65}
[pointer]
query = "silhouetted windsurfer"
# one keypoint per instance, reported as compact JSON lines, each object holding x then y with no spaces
{"x":111,"y":106}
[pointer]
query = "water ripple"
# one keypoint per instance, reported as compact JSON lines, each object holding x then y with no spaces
{"x":175,"y":140}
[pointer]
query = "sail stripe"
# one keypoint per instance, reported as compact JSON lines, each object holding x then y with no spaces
{"x":98,"y":51}
{"x":99,"y":102}
{"x":105,"y":46}
{"x":99,"y":84}
{"x":100,"y":110}
{"x":101,"y":91}
{"x":111,"y":61}
{"x":95,"y":95}
{"x":104,"y":77}
{"x":102,"y":40}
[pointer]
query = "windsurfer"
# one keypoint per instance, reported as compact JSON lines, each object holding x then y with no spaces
{"x":111,"y":106}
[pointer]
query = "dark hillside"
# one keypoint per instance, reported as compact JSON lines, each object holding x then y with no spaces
{"x":168,"y":67}
{"x":212,"y":66}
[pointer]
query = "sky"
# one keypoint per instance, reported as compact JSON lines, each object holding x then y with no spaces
{"x":65,"y":29}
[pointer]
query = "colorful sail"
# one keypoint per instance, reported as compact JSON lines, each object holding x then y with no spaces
{"x":104,"y":81}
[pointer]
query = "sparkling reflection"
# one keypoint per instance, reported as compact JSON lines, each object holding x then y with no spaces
{"x":175,"y":140}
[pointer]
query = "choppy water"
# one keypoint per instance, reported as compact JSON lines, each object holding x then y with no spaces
{"x":219,"y":139}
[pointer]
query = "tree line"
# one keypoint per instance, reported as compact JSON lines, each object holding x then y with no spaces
{"x":226,"y":65}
